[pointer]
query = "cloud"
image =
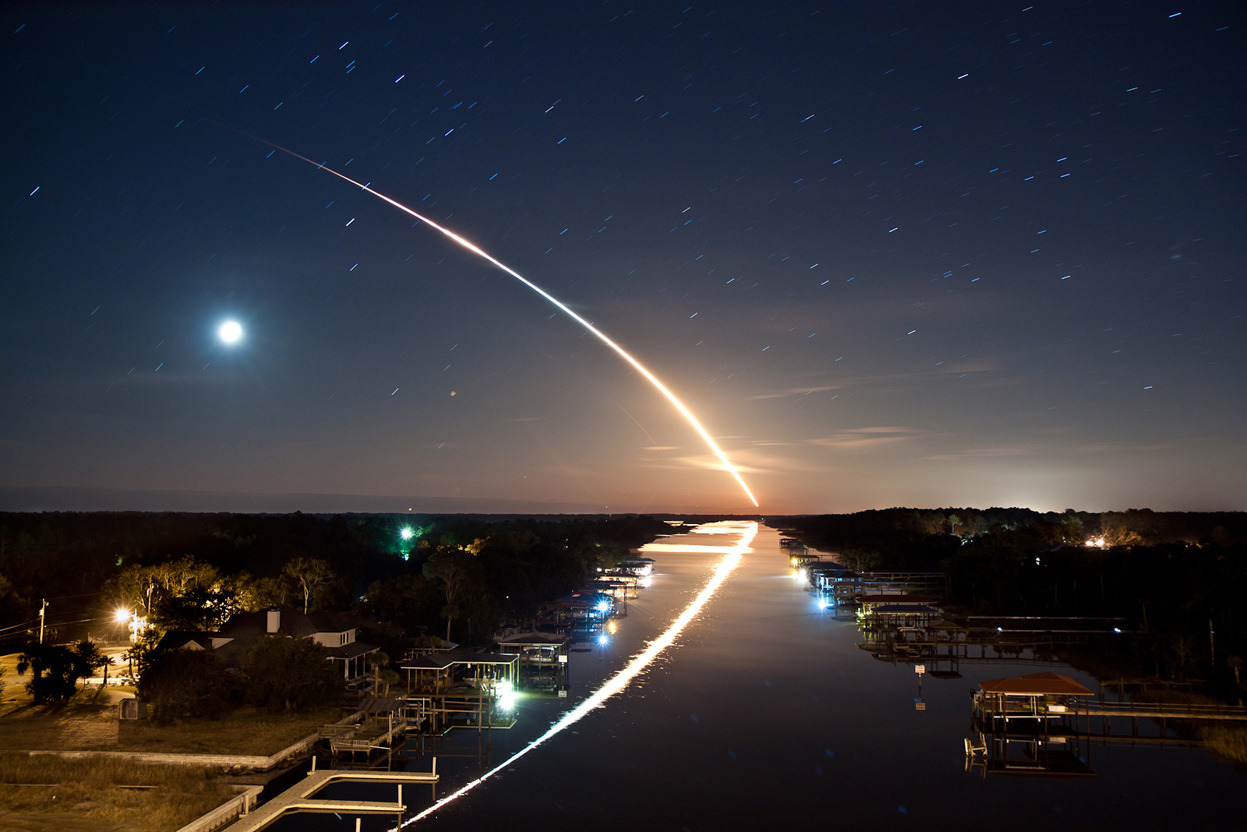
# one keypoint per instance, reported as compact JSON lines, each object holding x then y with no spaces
{"x":871,"y":437}
{"x":985,"y":373}
{"x":1061,"y":447}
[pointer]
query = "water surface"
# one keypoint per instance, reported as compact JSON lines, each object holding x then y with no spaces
{"x":765,"y":715}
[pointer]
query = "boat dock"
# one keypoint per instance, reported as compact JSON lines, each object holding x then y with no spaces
{"x":364,"y":737}
{"x":301,"y":797}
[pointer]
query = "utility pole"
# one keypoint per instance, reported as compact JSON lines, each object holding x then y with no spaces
{"x":42,"y":611}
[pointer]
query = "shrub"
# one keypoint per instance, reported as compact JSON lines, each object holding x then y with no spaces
{"x":291,"y":674}
{"x":178,"y":684}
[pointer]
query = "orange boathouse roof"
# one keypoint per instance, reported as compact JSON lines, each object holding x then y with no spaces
{"x":1036,"y":684}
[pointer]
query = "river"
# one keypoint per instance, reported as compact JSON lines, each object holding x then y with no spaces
{"x":764,"y":714}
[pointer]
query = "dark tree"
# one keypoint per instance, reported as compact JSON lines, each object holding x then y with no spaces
{"x":178,"y":684}
{"x":56,"y":669}
{"x":457,"y":571}
{"x":290,"y":674}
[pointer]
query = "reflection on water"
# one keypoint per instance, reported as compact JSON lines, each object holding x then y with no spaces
{"x":764,"y":713}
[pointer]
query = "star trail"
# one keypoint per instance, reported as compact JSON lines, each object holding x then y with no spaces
{"x":916,"y":255}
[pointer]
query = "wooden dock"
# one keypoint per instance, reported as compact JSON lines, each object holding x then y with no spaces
{"x":365,"y":736}
{"x":1164,"y":710}
{"x":301,"y":797}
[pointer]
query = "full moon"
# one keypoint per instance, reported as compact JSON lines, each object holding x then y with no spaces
{"x":230,"y":332}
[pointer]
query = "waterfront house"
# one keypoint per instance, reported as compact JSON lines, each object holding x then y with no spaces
{"x":334,"y":631}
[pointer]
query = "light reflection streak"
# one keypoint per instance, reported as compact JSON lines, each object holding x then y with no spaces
{"x":612,"y":686}
{"x":480,"y":252}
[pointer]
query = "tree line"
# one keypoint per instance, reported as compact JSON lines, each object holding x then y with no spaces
{"x":408,"y":577}
{"x":1176,"y":579}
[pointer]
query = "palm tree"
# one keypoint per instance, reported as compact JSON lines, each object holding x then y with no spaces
{"x":87,"y":657}
{"x":380,"y":662}
{"x":106,"y":662}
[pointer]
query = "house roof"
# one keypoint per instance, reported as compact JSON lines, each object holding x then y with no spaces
{"x":1036,"y":684}
{"x":894,"y":598}
{"x":904,"y":609}
{"x":252,"y":625}
{"x":443,"y":660}
{"x":242,"y":630}
{"x":180,"y":639}
{"x":535,"y":638}
{"x":351,"y":651}
{"x":333,"y":622}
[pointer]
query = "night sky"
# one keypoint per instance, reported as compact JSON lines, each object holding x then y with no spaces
{"x":903,"y":254}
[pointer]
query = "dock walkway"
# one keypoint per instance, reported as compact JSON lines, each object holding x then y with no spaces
{"x":300,"y":797}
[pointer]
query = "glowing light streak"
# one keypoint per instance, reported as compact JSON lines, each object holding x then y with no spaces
{"x":620,"y":680}
{"x":480,"y":252}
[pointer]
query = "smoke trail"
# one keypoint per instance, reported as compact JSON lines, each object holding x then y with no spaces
{"x":478,"y":251}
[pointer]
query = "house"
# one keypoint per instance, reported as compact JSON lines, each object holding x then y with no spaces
{"x":334,"y":631}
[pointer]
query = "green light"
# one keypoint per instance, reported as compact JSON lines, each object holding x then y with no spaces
{"x":406,"y":532}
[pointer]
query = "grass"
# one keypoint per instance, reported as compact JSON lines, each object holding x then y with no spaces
{"x":89,"y":723}
{"x":50,"y":794}
{"x":91,"y":727}
{"x":46,"y":793}
{"x":242,"y":731}
{"x":1228,"y":741}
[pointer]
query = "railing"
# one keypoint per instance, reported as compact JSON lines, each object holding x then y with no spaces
{"x":1166,"y":710}
{"x":226,"y":812}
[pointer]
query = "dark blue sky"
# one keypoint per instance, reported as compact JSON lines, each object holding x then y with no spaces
{"x":888,"y":254}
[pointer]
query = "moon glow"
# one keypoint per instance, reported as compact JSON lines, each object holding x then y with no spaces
{"x":230,"y":332}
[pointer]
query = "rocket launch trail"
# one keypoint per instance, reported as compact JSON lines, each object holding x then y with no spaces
{"x":478,"y":251}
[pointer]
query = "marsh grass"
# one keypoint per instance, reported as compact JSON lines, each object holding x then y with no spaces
{"x":242,"y":731}
{"x":40,"y":792}
{"x":90,"y":727}
{"x":50,"y":794}
{"x":1228,"y":741}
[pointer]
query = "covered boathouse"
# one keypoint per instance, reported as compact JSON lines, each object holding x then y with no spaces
{"x":1029,"y":725}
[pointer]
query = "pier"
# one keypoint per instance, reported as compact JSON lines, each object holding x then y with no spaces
{"x":373,"y":733}
{"x":1044,"y":723}
{"x":301,"y":797}
{"x":543,"y":661}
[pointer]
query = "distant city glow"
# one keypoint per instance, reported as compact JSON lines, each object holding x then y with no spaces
{"x":612,"y":686}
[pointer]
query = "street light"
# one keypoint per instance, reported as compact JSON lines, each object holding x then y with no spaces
{"x":406,"y":534}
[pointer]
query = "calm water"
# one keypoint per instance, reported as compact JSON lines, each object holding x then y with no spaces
{"x":765,"y":714}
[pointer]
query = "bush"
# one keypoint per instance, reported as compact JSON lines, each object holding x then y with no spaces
{"x":291,"y":674}
{"x":179,"y":684}
{"x":55,"y":670}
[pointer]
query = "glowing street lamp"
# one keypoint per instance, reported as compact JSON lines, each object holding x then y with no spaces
{"x":406,"y":534}
{"x":136,"y":624}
